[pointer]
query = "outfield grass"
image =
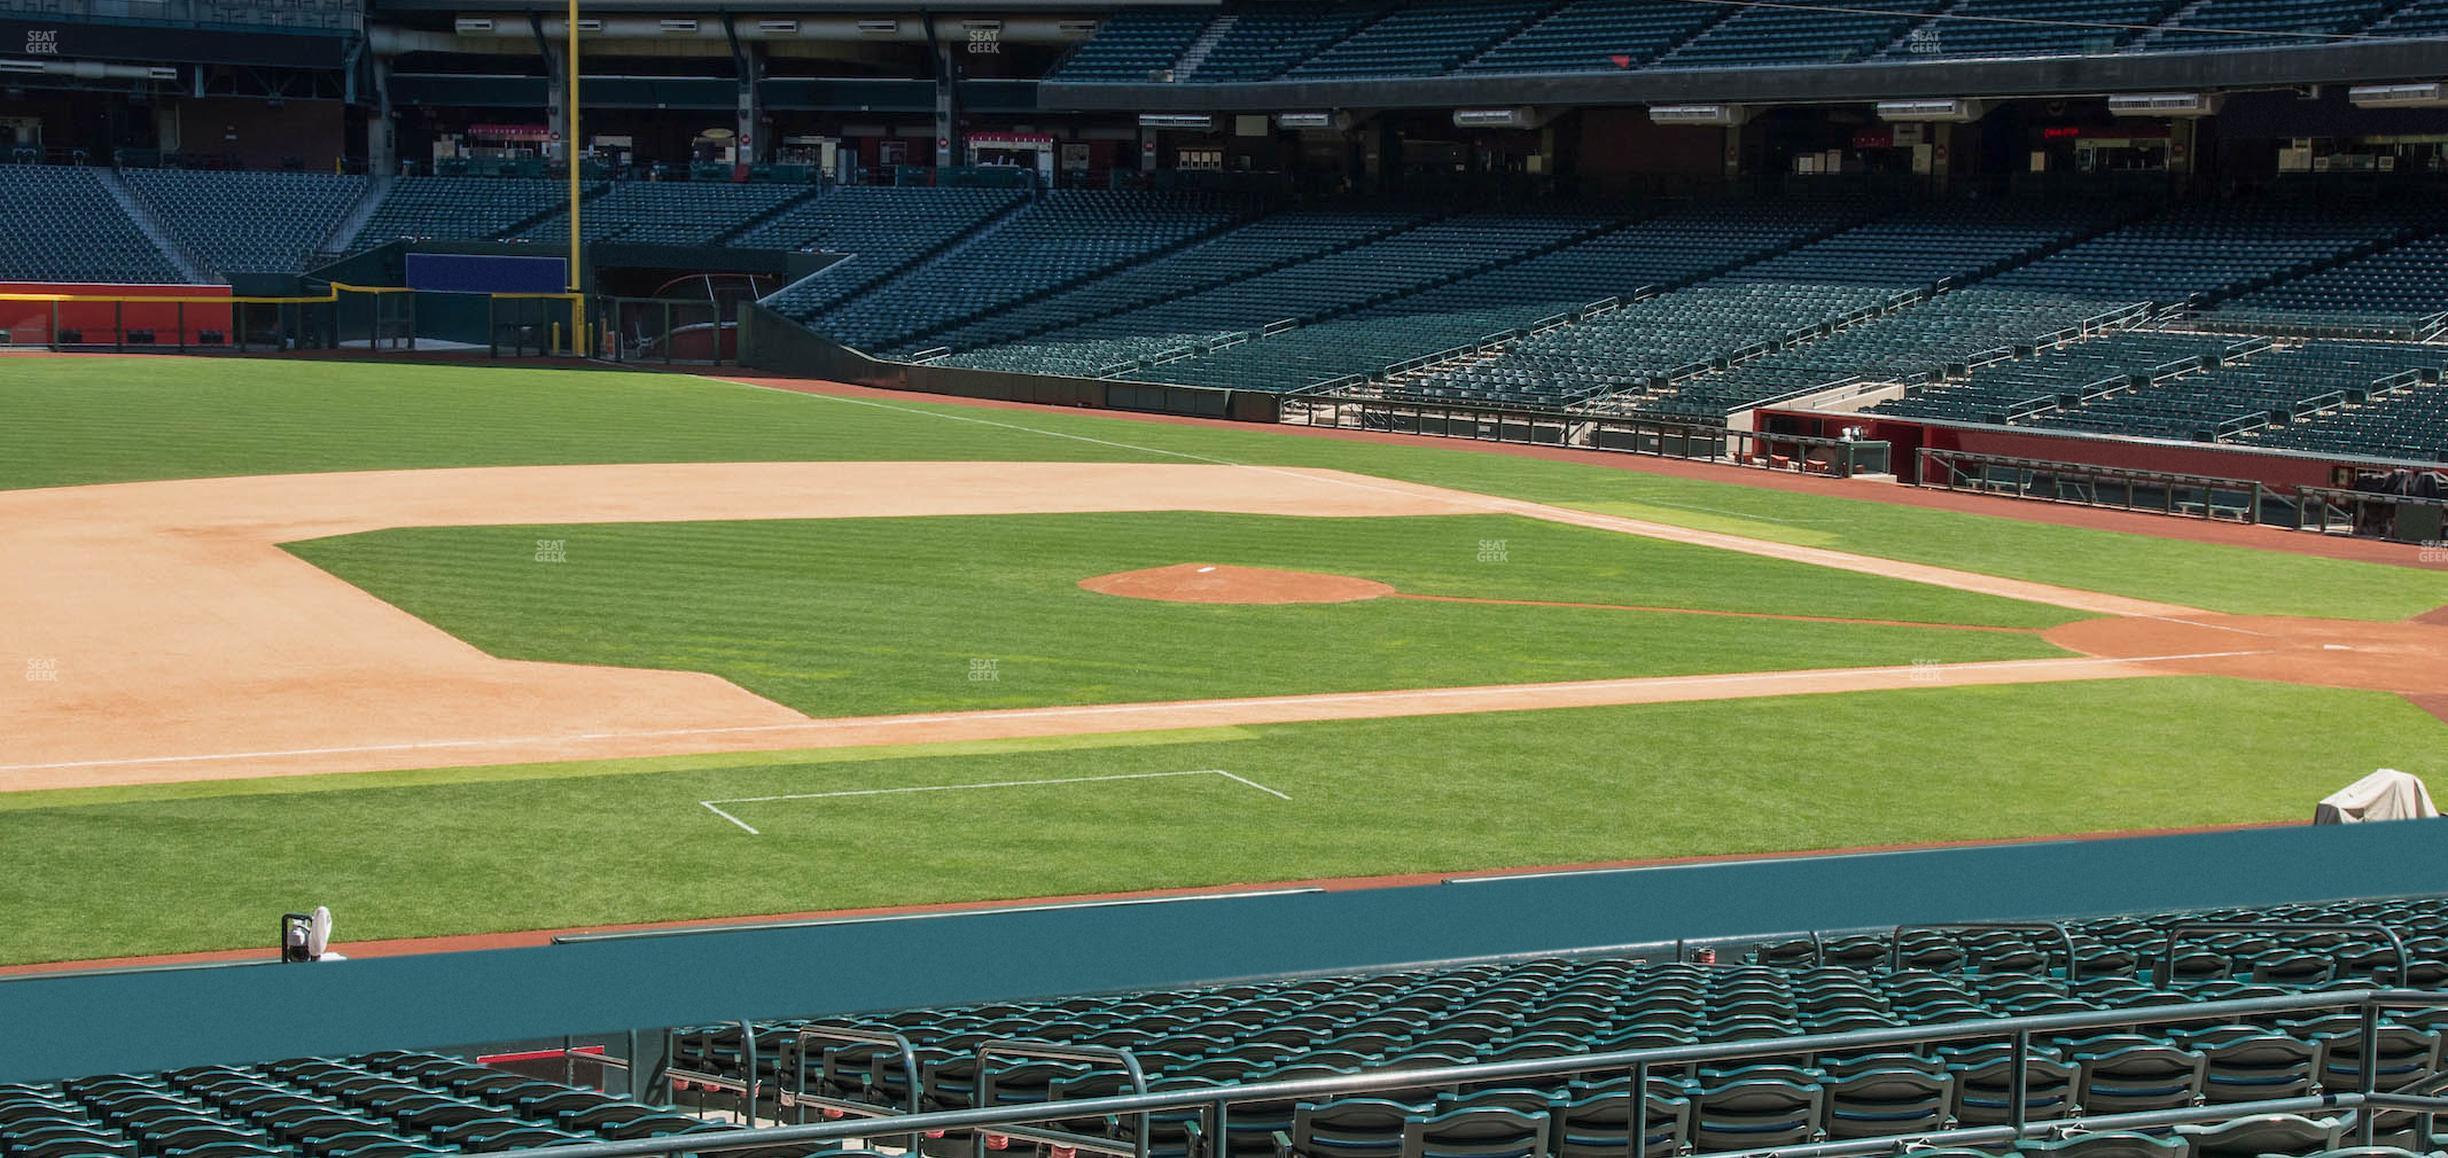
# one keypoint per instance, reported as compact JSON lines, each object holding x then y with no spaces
{"x":408,"y":854}
{"x":843,"y":617}
{"x":87,"y":420}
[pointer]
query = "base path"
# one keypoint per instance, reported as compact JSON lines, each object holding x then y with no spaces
{"x":168,"y":637}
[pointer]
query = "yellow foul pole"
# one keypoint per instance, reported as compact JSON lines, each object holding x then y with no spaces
{"x":569,"y":154}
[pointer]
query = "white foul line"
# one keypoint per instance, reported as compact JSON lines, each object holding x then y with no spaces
{"x":713,"y":806}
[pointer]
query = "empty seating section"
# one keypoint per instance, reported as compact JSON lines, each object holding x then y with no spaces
{"x":1663,"y":251}
{"x":1132,"y":44}
{"x":60,"y":224}
{"x":2006,"y":28}
{"x":1276,"y":240}
{"x":1329,"y":284}
{"x":1799,"y":35}
{"x":1265,"y":39}
{"x":2283,"y":23}
{"x":1554,"y":1007}
{"x":388,"y":1105}
{"x":1651,"y":343}
{"x":239,"y":222}
{"x":2214,"y":249}
{"x":2408,"y":422}
{"x":878,"y":230}
{"x":458,"y":208}
{"x":1063,"y":238}
{"x":2186,"y":386}
{"x":1908,"y":346}
{"x":666,"y":213}
{"x":1417,"y":38}
{"x":2390,"y":293}
{"x":2250,"y":386}
{"x":2420,"y":18}
{"x":1589,"y":35}
{"x":1271,"y":39}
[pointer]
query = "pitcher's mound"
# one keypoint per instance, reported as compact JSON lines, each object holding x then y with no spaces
{"x":1218,"y":583}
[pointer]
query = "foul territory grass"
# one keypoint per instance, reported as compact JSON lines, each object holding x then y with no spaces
{"x":98,"y":419}
{"x":427,"y":853}
{"x":866,"y":616}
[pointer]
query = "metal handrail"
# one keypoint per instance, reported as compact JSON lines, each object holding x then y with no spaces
{"x":1639,"y":1062}
{"x":846,"y":1036}
{"x":1045,"y":1051}
{"x":2167,"y":975}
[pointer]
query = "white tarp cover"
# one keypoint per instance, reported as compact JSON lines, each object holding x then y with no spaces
{"x":2387,"y":794}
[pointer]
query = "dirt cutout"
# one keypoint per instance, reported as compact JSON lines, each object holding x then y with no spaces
{"x":2408,"y":657}
{"x":1224,"y":583}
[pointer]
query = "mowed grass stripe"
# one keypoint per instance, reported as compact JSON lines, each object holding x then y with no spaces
{"x":88,"y":420}
{"x":875,"y":616}
{"x":1435,"y":794}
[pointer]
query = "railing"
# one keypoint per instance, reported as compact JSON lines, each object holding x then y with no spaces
{"x":797,"y":1097}
{"x":1213,"y":1104}
{"x":1559,"y":425}
{"x":2335,"y":510}
{"x":2175,"y":938}
{"x":2203,"y":496}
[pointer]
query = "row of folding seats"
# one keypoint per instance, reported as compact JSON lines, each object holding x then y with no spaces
{"x":1421,"y":38}
{"x":1066,"y":236}
{"x":458,"y":208}
{"x":1594,"y":35}
{"x":2215,"y":249}
{"x":1275,"y":240}
{"x":1754,"y":37}
{"x":1649,"y":344}
{"x":389,"y":1105}
{"x":2410,"y":422}
{"x":1330,"y":283}
{"x":1132,"y":44}
{"x":1989,"y":393}
{"x":59,"y":223}
{"x":2389,"y":290}
{"x":2284,"y":24}
{"x":247,"y":222}
{"x":1265,"y":39}
{"x":876,"y":229}
{"x":667,"y":212}
{"x":2015,"y":28}
{"x":1271,"y":39}
{"x":1663,"y":251}
{"x":2271,"y":382}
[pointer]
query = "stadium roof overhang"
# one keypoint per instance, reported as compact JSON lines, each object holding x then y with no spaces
{"x":1819,"y":84}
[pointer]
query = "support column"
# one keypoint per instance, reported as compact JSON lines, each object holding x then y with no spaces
{"x":1733,"y":152}
{"x":556,"y":117}
{"x":382,"y":134}
{"x":754,"y":149}
{"x":947,"y":136}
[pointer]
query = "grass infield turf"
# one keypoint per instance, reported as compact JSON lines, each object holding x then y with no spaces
{"x":480,"y":850}
{"x":841,"y":617}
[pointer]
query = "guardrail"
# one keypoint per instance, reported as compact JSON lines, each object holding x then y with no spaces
{"x":1213,"y":1104}
{"x":2204,"y":496}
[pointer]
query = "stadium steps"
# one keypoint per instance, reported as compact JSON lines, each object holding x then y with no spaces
{"x":559,"y":210}
{"x":1354,"y":32}
{"x":1175,"y":295}
{"x":1208,"y":37}
{"x":343,"y":237}
{"x":954,"y":253}
{"x":1501,"y":349}
{"x":181,"y":260}
{"x":727,"y":236}
{"x":985,"y":228}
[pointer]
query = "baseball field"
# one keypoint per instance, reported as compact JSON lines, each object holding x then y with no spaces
{"x":475,"y":651}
